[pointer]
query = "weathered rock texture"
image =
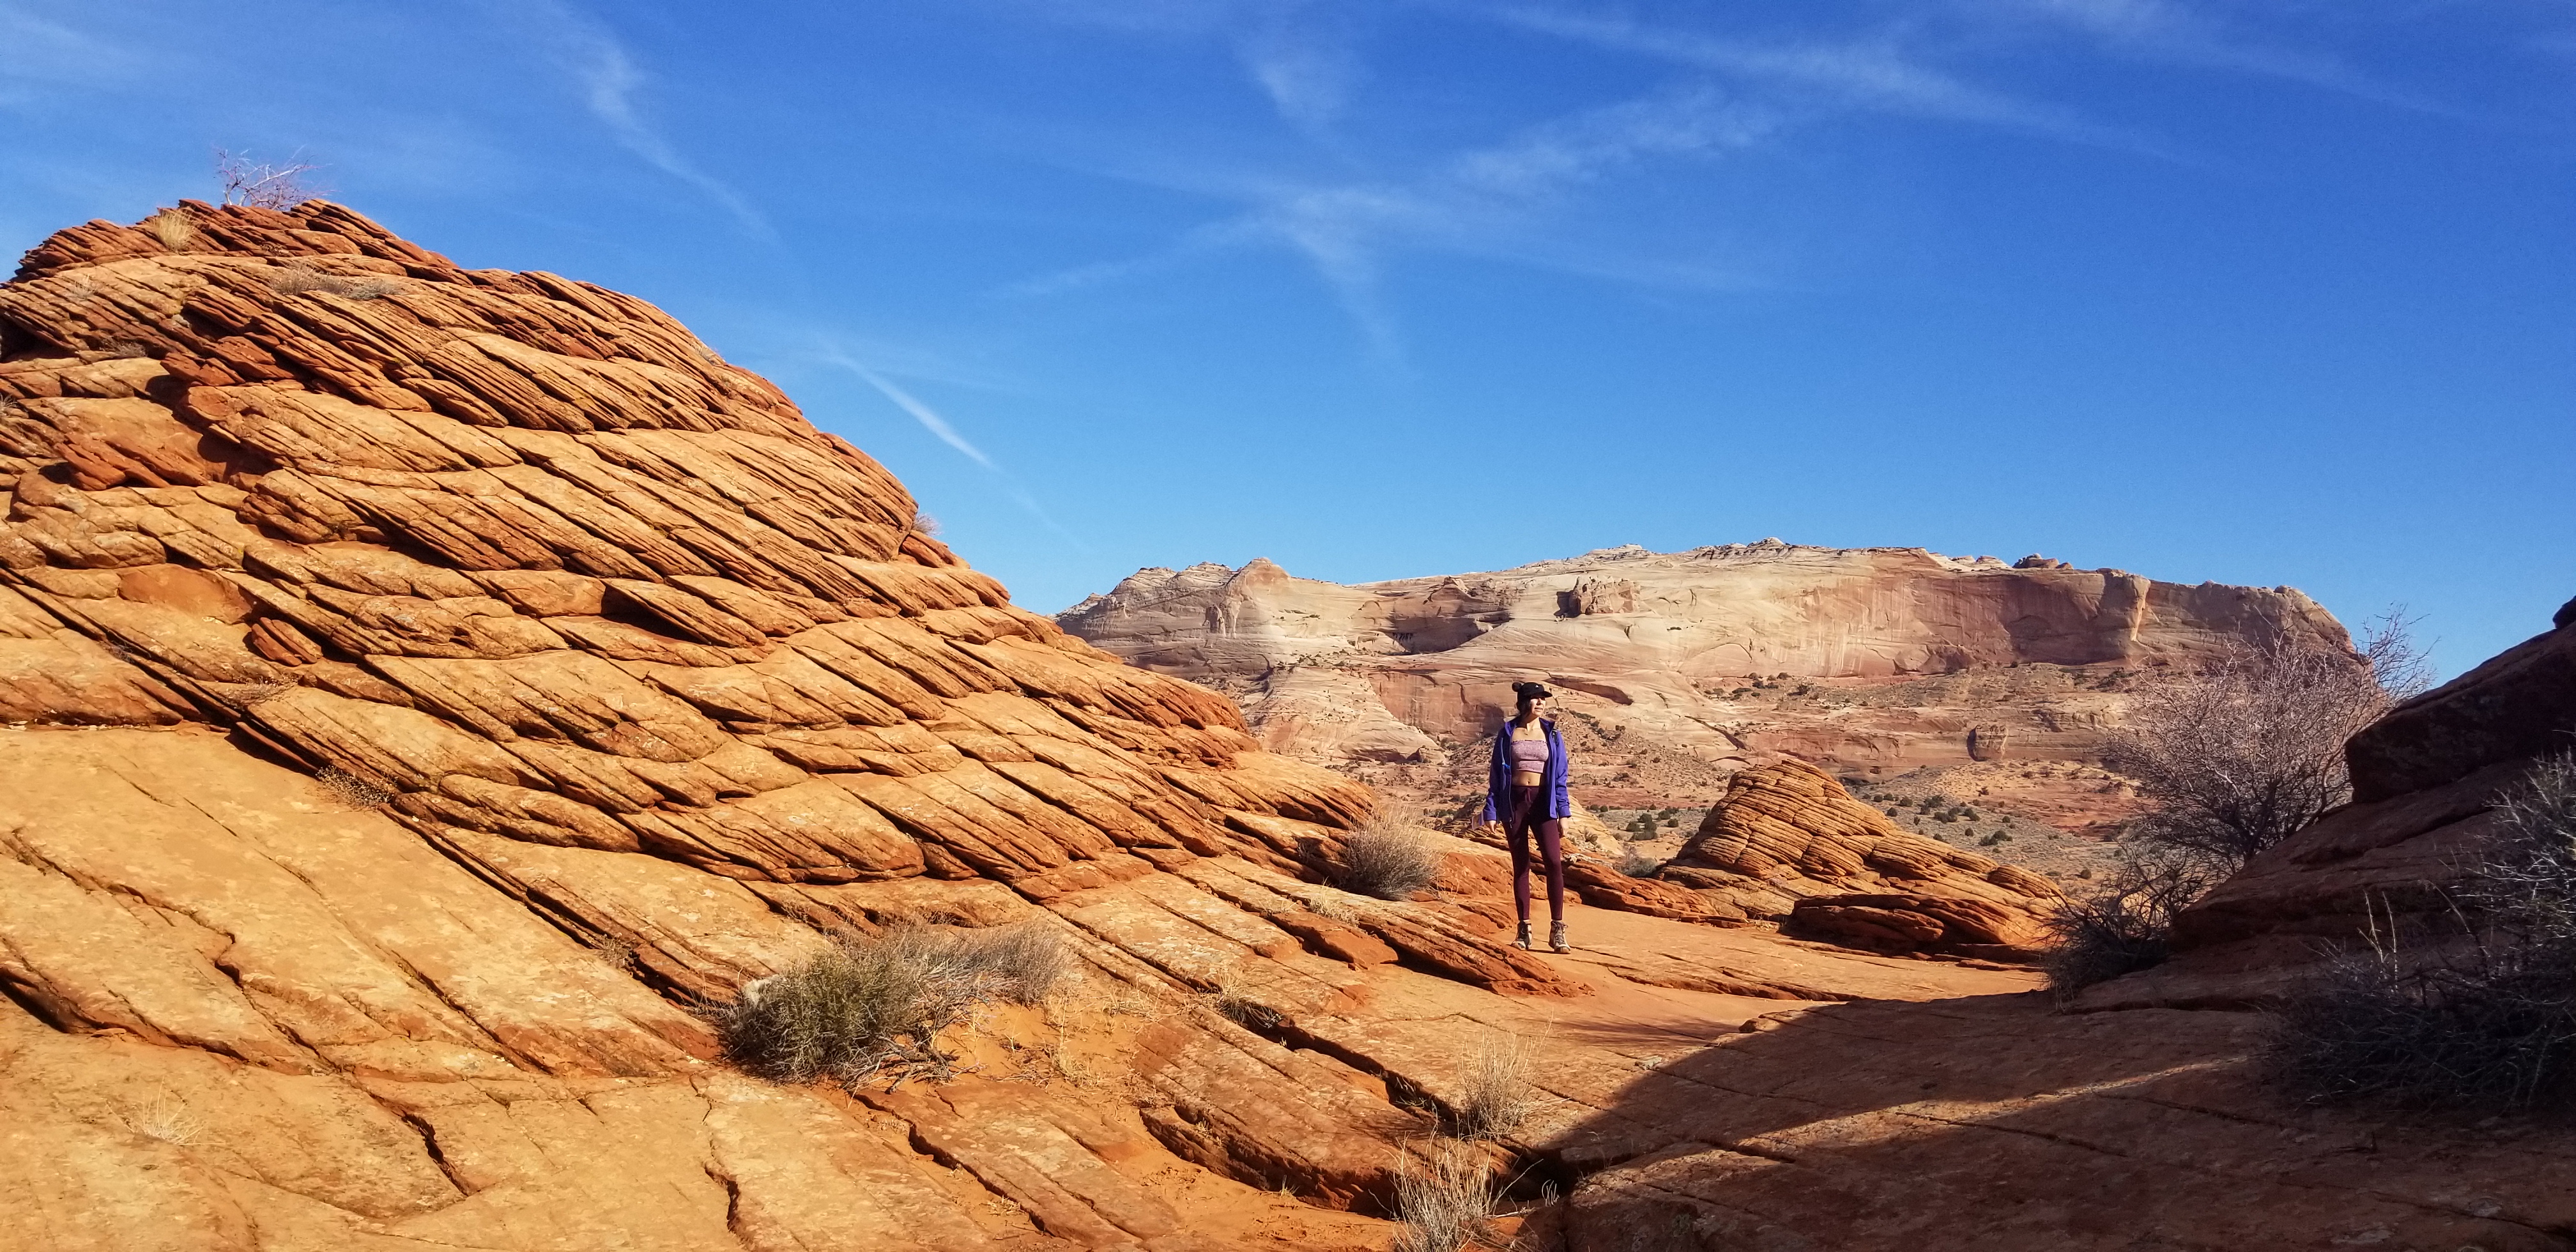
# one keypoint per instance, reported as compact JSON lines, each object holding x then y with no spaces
{"x":1789,"y":846}
{"x":2425,"y":779}
{"x":430,"y":685}
{"x":1916,"y":659}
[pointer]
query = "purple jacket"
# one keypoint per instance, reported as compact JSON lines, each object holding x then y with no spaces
{"x":1499,"y":778}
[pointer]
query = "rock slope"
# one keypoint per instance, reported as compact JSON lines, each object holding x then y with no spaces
{"x":430,"y":688}
{"x":1869,"y":658}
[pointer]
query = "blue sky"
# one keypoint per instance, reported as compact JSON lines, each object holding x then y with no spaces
{"x":2276,"y":293}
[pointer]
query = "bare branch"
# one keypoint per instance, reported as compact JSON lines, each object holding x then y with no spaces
{"x":264,"y":186}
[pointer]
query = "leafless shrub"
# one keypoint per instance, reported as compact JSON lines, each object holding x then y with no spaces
{"x":130,"y":349}
{"x":1388,"y":856}
{"x":262,"y":185}
{"x":925,"y":524}
{"x":868,"y":1006}
{"x":351,"y":790}
{"x":1636,"y":864}
{"x":165,"y":1119}
{"x":2120,"y":926}
{"x":292,"y":280}
{"x":2234,"y":756}
{"x":2487,"y":1022}
{"x":1498,"y":1095}
{"x":1445,"y":1202}
{"x":173,"y":229}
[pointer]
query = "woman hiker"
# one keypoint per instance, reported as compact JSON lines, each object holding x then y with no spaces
{"x":1525,"y":791}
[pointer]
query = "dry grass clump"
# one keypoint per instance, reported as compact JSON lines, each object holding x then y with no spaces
{"x":351,"y":790}
{"x":2120,"y":926}
{"x":1445,"y":1202}
{"x":1498,"y":1096}
{"x":2490,"y":1022}
{"x":173,"y":230}
{"x":867,"y":1006}
{"x":1389,"y":856}
{"x":291,"y":280}
{"x":1231,"y":1000}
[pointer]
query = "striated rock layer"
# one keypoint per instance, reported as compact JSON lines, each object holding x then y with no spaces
{"x":523,"y":553}
{"x":1903,"y":658}
{"x":428,"y":687}
{"x":1791,"y":848}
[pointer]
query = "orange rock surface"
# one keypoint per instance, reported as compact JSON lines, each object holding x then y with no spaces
{"x":428,"y":690}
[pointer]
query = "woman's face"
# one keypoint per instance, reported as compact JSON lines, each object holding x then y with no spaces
{"x":1537,"y":706}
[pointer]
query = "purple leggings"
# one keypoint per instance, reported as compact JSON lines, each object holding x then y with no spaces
{"x":1525,"y":811}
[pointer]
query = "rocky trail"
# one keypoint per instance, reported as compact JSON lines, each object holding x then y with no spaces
{"x":432,"y":692}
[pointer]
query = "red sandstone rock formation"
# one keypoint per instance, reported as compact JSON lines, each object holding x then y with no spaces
{"x":1790,"y":847}
{"x":1920,"y":659}
{"x":617,"y":686}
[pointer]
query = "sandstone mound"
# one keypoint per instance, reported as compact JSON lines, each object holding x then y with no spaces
{"x":1790,"y":846}
{"x":525,"y":555}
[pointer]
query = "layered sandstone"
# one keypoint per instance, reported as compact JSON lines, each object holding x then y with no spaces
{"x":1870,"y":658}
{"x":430,"y":688}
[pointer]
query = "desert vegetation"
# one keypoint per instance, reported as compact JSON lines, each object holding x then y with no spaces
{"x":2231,"y":757}
{"x":2482,"y":1018}
{"x":1498,"y":1095}
{"x":1444,"y":1200}
{"x":264,"y":184}
{"x":867,"y":1006}
{"x":1389,"y":856}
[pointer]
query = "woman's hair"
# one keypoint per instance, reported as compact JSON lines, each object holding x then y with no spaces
{"x":1530,"y":691}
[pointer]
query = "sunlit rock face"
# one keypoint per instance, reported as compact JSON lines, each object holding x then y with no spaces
{"x":1886,"y":657}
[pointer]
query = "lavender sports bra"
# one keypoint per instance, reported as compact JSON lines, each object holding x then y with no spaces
{"x":1529,"y":756}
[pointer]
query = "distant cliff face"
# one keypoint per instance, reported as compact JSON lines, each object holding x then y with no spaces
{"x":1886,"y":657}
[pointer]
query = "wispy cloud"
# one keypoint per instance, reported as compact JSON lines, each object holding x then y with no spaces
{"x":946,"y":432}
{"x":37,"y":53}
{"x":1304,"y":63}
{"x":1491,"y":201}
{"x":1871,"y":74}
{"x":920,"y":412}
{"x":2168,"y":31}
{"x":609,"y":80}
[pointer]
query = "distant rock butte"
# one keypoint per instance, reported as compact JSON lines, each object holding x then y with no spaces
{"x":427,"y":689}
{"x":1915,"y":653}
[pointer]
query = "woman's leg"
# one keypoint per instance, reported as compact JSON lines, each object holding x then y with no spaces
{"x":1551,"y":851}
{"x":1517,"y":811}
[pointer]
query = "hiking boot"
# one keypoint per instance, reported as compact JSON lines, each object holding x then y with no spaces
{"x":1522,"y":941}
{"x":1555,"y":938}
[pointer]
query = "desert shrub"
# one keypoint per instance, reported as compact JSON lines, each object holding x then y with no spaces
{"x":1637,"y":864}
{"x":2121,"y":926}
{"x":173,"y":229}
{"x":1388,"y":856}
{"x":1444,"y":1202}
{"x":2235,"y":755}
{"x":264,"y":185}
{"x":351,"y":790}
{"x":1498,"y":1096}
{"x":1233,"y":1001}
{"x":865,"y":1006}
{"x":2489,"y":1021}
